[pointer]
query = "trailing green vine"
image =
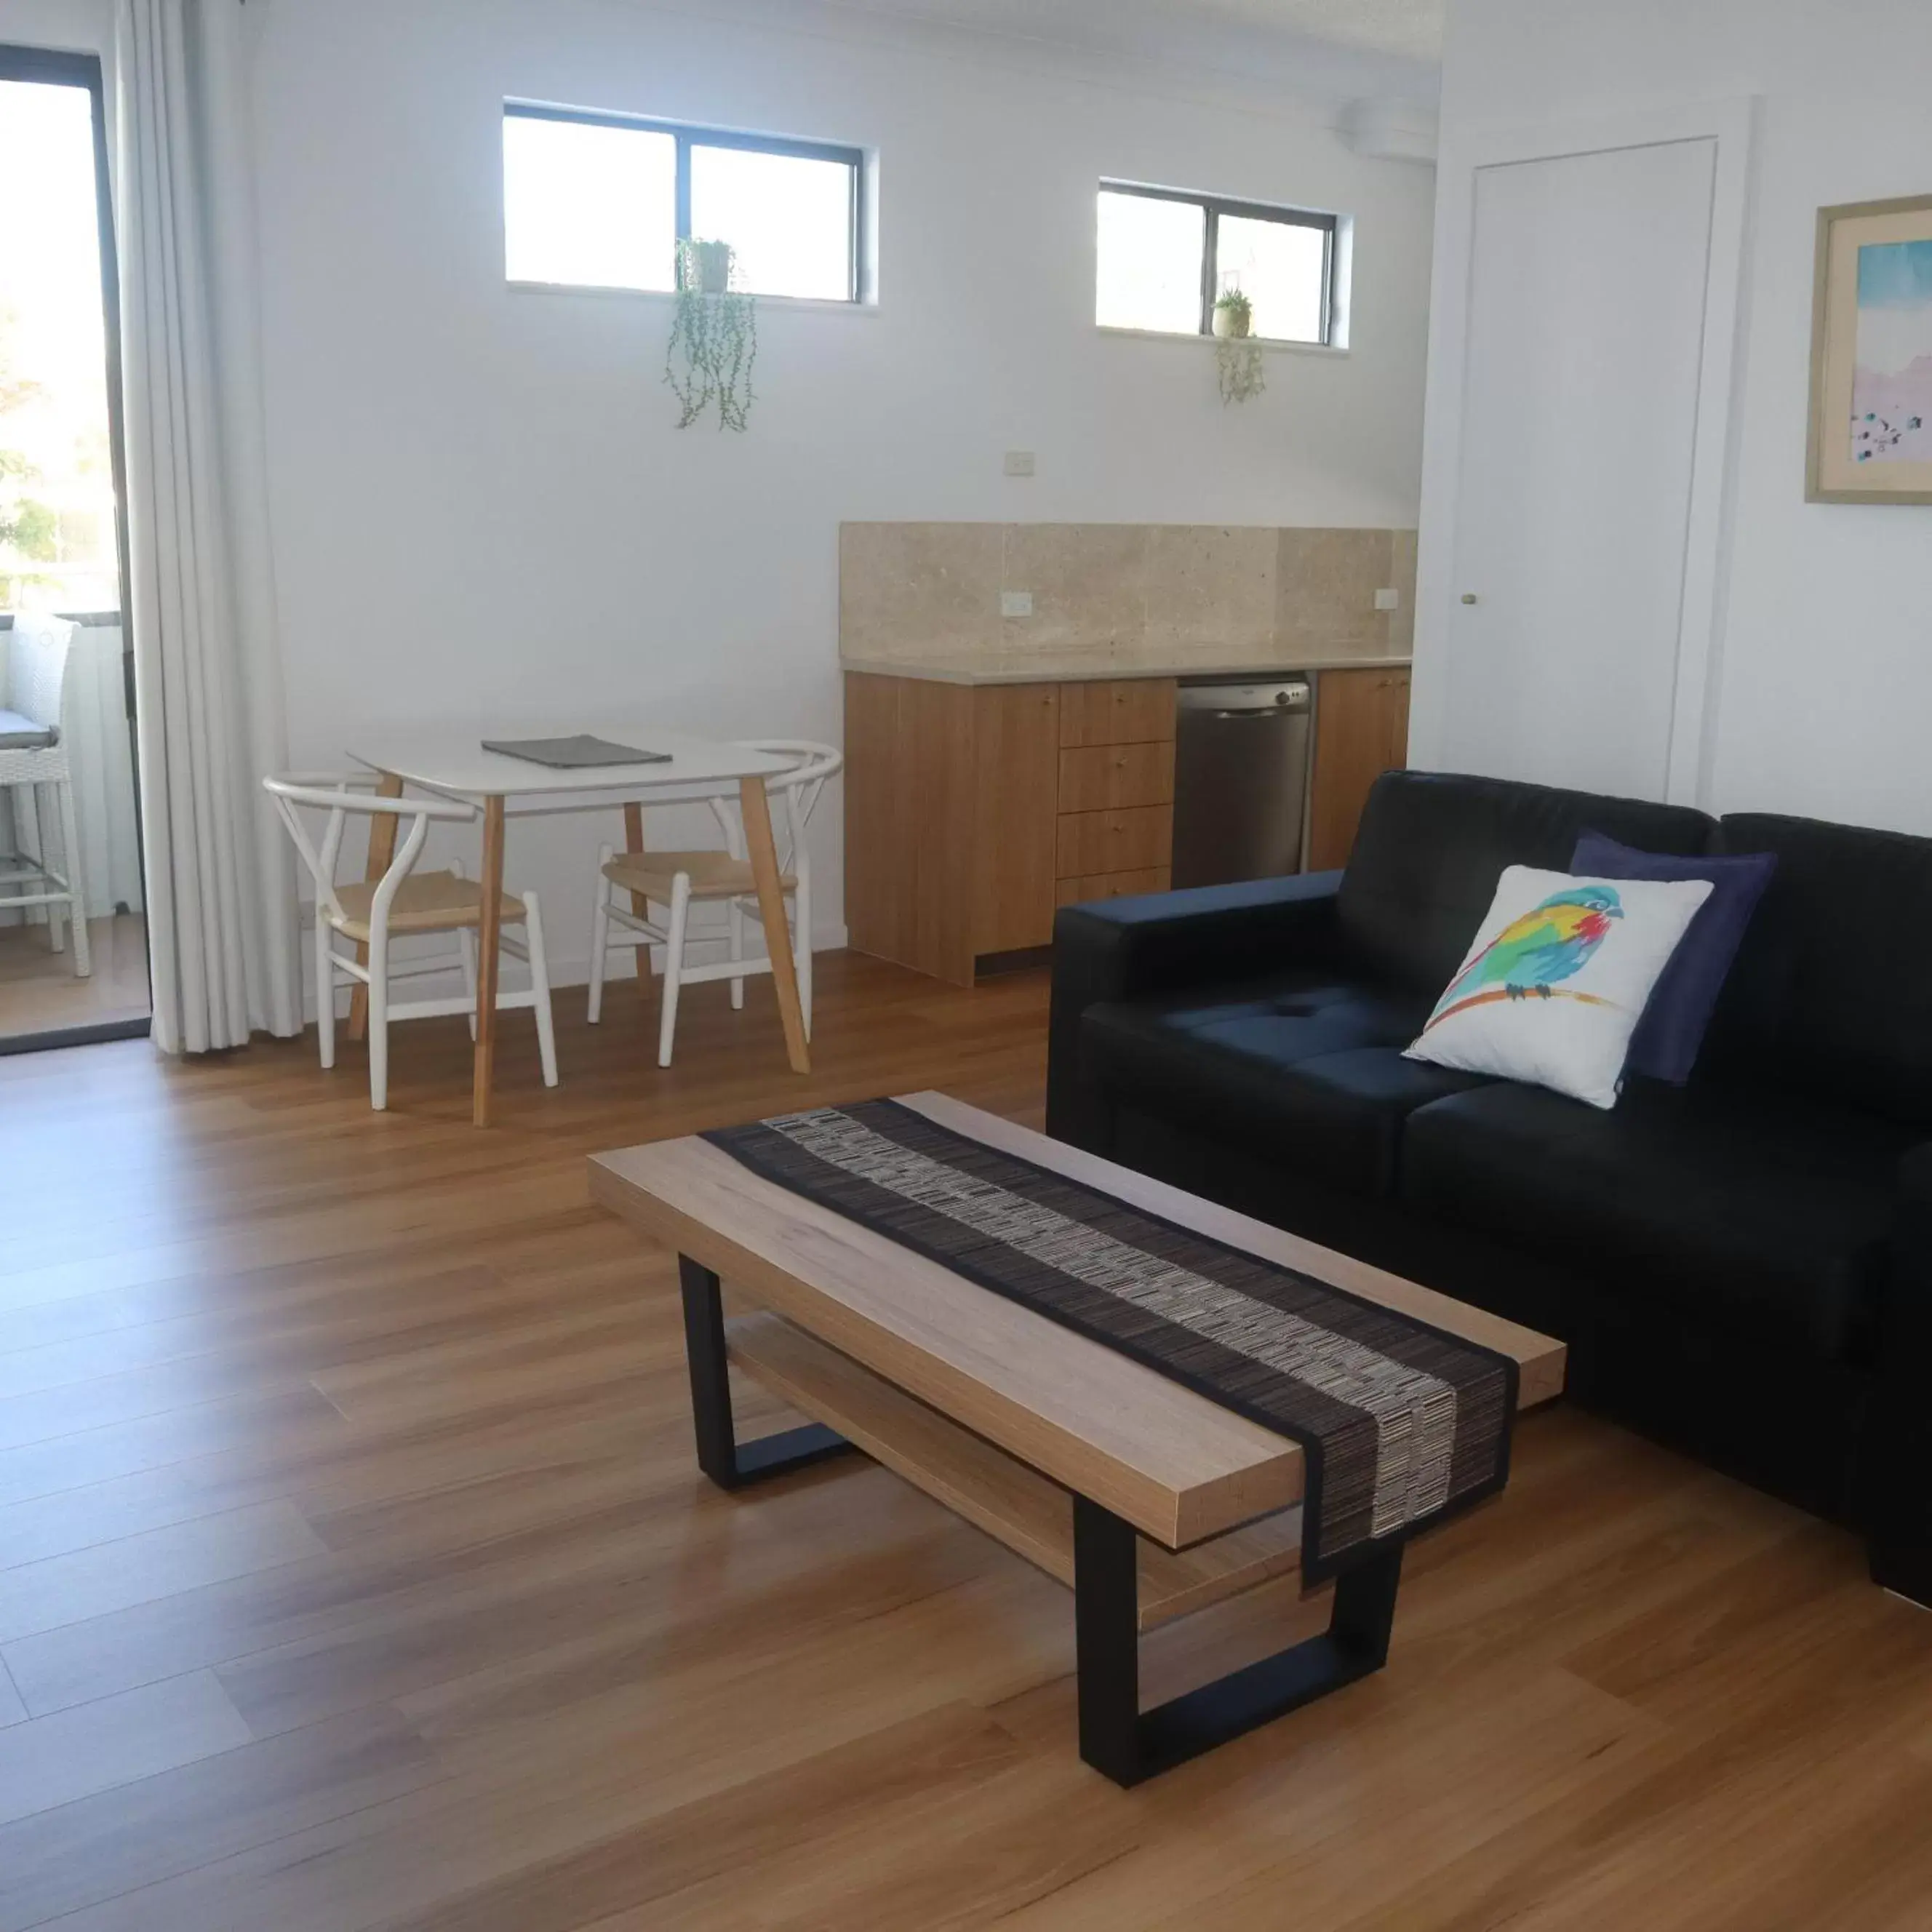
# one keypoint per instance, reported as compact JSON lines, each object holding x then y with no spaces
{"x":1238,"y":365}
{"x":714,"y":337}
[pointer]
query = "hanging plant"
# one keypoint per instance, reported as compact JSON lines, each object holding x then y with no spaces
{"x":1238,"y":363}
{"x":714,"y":338}
{"x":1238,"y":357}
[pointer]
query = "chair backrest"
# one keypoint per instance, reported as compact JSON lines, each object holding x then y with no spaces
{"x":799,"y":787}
{"x":338,"y":794}
{"x":37,"y":660}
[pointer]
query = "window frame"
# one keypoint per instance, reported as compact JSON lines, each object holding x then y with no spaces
{"x":1213,"y":206}
{"x":688,"y":135}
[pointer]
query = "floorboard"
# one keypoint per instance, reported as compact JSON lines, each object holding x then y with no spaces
{"x":38,"y":991}
{"x":355,"y":1576}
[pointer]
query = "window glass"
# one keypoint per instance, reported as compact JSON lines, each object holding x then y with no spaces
{"x":590,"y":205}
{"x":58,"y":546}
{"x":1150,"y":262}
{"x":788,"y":218}
{"x":1282,"y":269}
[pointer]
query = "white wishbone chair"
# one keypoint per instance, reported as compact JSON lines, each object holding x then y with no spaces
{"x":34,"y":767}
{"x":402,"y":902}
{"x":629,"y":884}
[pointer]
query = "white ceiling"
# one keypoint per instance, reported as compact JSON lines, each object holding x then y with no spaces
{"x":1410,"y":30}
{"x":1386,"y":48}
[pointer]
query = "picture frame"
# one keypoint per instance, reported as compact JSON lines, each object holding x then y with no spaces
{"x":1870,"y":439}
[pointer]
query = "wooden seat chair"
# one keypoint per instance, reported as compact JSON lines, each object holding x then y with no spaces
{"x":401,"y":903}
{"x":34,"y":768}
{"x":629,"y":884}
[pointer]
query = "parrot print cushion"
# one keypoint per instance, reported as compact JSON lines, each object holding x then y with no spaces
{"x":1558,"y":979}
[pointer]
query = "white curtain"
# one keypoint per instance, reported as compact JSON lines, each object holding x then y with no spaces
{"x":208,"y":677}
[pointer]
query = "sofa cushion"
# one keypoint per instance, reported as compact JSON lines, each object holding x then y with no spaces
{"x":1304,"y":1067}
{"x":1829,"y":996}
{"x":1666,"y":1043}
{"x":1433,"y":846}
{"x":1767,"y":1221}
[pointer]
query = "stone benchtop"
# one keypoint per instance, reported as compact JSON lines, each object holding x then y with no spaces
{"x":1078,"y":667}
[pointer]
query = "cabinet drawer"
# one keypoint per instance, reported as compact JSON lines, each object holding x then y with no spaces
{"x":1115,"y":841}
{"x":1105,"y":777}
{"x":1136,"y":711}
{"x":1113,"y":885}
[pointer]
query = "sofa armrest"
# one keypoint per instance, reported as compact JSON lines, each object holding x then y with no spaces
{"x":1898,"y":1444}
{"x":1136,"y":948}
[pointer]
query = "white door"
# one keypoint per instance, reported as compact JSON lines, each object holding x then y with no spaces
{"x":1583,"y":356}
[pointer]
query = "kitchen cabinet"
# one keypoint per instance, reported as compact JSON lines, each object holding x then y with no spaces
{"x":972,"y":812}
{"x":1361,"y":731}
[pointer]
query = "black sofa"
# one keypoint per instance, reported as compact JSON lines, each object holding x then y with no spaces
{"x":1742,"y":1266}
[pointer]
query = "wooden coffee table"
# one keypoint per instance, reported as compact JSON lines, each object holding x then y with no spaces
{"x":1148,"y":1500}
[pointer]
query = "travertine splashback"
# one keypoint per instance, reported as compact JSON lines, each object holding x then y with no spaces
{"x":912,"y":590}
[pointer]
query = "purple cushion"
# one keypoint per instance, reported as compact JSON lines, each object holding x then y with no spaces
{"x":1666,"y":1042}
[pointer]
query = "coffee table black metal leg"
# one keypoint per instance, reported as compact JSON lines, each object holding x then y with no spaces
{"x":1130,"y":1744}
{"x":730,"y":1463}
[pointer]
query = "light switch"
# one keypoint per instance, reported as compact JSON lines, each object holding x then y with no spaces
{"x":1019,"y":463}
{"x":1015,"y":603}
{"x":1388,"y":600}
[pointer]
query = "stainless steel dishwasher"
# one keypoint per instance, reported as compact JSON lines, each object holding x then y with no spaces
{"x":1240,"y":779}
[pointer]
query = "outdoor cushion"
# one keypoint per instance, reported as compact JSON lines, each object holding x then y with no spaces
{"x":22,"y":734}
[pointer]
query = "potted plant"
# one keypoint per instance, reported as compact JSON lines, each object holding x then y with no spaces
{"x":1234,"y":315}
{"x":707,"y":267}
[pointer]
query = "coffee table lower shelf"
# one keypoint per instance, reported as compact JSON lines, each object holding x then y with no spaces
{"x":1032,"y":1516}
{"x":1123,"y":1584}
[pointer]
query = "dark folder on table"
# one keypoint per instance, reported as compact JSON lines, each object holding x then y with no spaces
{"x":576,"y":754}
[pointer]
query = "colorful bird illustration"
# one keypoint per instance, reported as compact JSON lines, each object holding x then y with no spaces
{"x":1553,"y":942}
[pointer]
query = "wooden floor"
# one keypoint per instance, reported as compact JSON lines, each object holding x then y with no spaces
{"x":38,"y":991}
{"x":354,"y":1573}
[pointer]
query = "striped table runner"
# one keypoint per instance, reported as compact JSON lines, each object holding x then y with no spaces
{"x":1403,"y":1425}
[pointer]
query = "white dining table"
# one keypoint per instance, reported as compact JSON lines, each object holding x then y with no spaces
{"x":454,"y":764}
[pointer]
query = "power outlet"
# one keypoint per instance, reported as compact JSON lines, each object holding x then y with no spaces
{"x":1388,"y":600}
{"x":1015,"y":603}
{"x":1019,"y":463}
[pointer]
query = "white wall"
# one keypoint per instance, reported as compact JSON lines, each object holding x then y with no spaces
{"x":1824,"y":682}
{"x":75,"y":26}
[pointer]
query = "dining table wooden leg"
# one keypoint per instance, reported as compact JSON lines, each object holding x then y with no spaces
{"x":634,"y":842}
{"x":489,"y":956}
{"x":382,"y":854}
{"x":755,"y":806}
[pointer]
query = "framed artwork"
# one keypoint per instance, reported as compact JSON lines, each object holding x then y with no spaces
{"x":1871,"y":354}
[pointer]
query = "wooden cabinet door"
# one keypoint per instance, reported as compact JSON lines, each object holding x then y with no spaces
{"x":1016,"y":770}
{"x":1135,"y":711}
{"x":1361,"y":731}
{"x":1107,"y":777}
{"x":1116,"y":842}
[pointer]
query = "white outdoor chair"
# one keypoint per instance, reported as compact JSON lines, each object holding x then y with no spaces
{"x":401,"y":903}
{"x":629,"y":884}
{"x":34,"y":768}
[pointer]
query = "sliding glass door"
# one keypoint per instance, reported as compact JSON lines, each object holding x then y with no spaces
{"x":74,"y":959}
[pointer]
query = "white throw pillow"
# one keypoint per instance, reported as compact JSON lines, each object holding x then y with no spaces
{"x":1558,"y":979}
